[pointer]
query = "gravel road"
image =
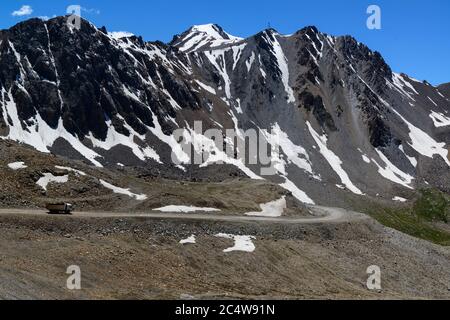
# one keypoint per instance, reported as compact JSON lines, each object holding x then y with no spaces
{"x":318,"y":215}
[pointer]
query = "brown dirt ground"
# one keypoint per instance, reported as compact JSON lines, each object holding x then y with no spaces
{"x":138,"y":258}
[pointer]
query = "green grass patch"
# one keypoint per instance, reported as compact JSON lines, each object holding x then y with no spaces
{"x":404,"y":220}
{"x":419,"y":219}
{"x":432,"y":205}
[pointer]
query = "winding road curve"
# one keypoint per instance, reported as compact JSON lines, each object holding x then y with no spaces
{"x":319,"y":215}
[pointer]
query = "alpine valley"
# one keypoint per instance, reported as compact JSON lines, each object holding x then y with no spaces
{"x":89,"y":118}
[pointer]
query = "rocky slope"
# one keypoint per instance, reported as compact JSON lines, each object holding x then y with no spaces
{"x":31,"y":179}
{"x":347,"y":125}
{"x":135,"y":258}
{"x":444,"y":89}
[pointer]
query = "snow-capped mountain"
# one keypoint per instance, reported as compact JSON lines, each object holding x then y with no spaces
{"x":203,"y":37}
{"x":347,"y":125}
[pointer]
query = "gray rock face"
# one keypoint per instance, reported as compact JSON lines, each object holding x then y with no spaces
{"x":444,"y":89}
{"x":346,"y":124}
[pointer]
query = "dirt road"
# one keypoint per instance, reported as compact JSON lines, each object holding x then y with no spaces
{"x":318,"y":215}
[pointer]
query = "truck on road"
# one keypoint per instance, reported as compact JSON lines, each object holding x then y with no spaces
{"x":59,"y":208}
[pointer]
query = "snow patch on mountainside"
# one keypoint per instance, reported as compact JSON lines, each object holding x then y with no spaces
{"x":250,"y":61}
{"x":217,"y":59}
{"x":77,"y":172}
{"x":295,"y":154}
{"x":402,"y":86}
{"x":270,"y":209}
{"x":189,"y":240}
{"x":123,"y":191}
{"x":50,"y":178}
{"x":241,"y":243}
{"x":399,"y":199}
{"x":17,"y":165}
{"x":432,"y":101}
{"x":215,"y":154}
{"x":176,"y":149}
{"x":237,"y":52}
{"x":333,"y":160}
{"x":185,"y":209}
{"x":120,"y":34}
{"x":114,"y":138}
{"x":439,"y":119}
{"x":282,"y":62}
{"x":296,"y":192}
{"x":206,"y":87}
{"x":412,"y":160}
{"x":39,"y":134}
{"x":423,"y":143}
{"x":392,"y":173}
{"x":365,"y":158}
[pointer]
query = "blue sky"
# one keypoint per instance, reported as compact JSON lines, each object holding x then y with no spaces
{"x":414,"y":39}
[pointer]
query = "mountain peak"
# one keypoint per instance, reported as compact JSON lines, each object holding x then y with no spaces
{"x":271,"y":31}
{"x":202,"y":36}
{"x":211,"y":29}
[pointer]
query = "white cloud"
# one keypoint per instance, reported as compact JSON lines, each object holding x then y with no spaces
{"x":120,"y":34}
{"x":24,"y":11}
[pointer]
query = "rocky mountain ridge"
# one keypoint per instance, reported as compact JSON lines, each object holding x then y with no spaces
{"x":346,"y":124}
